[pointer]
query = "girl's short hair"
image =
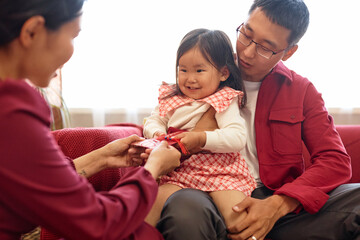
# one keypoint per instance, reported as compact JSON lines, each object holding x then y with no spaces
{"x":14,"y":13}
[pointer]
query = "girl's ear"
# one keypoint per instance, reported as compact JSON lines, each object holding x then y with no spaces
{"x":225,"y":73}
{"x":31,"y":29}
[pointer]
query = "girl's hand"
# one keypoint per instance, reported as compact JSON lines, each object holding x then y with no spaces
{"x":193,"y":141}
{"x":158,"y":134}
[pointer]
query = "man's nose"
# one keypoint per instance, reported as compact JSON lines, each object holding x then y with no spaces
{"x":250,"y":50}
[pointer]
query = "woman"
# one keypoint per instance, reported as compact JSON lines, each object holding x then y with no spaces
{"x":36,"y":38}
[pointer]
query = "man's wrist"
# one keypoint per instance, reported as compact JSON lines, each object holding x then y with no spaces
{"x":284,"y":204}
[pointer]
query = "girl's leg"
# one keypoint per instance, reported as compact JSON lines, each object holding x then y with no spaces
{"x":163,"y":194}
{"x":225,"y":200}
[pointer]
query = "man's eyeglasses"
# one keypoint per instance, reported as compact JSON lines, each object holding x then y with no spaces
{"x":260,"y":49}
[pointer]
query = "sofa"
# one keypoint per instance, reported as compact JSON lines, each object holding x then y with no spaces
{"x":75,"y":142}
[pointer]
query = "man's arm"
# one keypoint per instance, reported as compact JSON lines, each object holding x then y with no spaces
{"x":330,"y":163}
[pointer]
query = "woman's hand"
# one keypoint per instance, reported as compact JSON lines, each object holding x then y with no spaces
{"x":162,"y":159}
{"x":120,"y":153}
{"x":116,"y":154}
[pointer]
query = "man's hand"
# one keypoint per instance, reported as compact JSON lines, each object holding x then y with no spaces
{"x":261,"y":216}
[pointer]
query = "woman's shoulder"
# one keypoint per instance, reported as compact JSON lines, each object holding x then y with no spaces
{"x":15,"y":88}
{"x":18,"y":95}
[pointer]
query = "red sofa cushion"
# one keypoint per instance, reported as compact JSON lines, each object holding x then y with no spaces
{"x":75,"y":142}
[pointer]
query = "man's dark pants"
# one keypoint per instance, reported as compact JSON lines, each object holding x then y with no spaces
{"x":192,"y":215}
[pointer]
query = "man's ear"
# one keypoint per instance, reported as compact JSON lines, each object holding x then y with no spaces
{"x":225,"y":73}
{"x":289,"y":53}
{"x":31,"y":28}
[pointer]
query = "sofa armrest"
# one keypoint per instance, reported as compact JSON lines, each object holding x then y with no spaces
{"x":75,"y":142}
{"x":350,"y":135}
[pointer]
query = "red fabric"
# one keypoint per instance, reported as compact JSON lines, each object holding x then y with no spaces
{"x":75,"y":142}
{"x":39,"y":187}
{"x":152,"y":143}
{"x":349,"y":134}
{"x":290,"y":110}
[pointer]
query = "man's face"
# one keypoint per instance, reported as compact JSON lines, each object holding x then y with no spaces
{"x":270,"y":35}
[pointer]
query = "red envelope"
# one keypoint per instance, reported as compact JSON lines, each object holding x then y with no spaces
{"x":151,"y":143}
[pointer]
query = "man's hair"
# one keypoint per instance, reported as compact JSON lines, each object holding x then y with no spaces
{"x":291,"y":14}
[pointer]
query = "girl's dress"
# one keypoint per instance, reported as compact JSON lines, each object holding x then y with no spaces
{"x":207,"y":171}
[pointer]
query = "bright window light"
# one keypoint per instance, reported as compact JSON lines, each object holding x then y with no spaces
{"x":127,"y":48}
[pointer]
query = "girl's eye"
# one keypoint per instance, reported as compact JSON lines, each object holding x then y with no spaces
{"x":199,"y":70}
{"x":182,"y":70}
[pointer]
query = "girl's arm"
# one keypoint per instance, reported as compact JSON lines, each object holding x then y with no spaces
{"x":155,"y":125}
{"x":230,"y":137}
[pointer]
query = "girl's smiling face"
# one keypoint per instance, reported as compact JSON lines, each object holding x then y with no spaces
{"x":197,"y":77}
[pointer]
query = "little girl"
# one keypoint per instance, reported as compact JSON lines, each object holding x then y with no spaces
{"x":207,"y":76}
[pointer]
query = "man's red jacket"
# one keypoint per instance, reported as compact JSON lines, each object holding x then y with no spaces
{"x":290,"y":111}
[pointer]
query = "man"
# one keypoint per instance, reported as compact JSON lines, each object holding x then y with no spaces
{"x":283,"y":110}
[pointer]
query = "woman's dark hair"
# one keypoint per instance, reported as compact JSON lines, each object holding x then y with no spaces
{"x":14,"y":13}
{"x":290,"y":14}
{"x":216,"y":47}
